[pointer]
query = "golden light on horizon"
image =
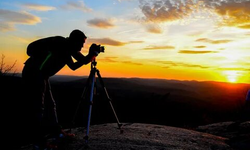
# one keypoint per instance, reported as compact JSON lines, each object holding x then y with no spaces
{"x":232,"y":76}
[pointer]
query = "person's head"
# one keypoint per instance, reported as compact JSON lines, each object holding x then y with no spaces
{"x":77,"y":39}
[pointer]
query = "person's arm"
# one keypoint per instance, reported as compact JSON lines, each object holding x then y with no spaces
{"x":80,"y":60}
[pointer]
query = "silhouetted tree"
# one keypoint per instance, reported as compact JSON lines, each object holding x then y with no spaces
{"x":6,"y":69}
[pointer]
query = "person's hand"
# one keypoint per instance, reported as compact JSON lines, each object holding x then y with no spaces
{"x":94,"y":50}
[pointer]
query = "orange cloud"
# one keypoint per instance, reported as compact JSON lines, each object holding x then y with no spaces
{"x":154,"y":29}
{"x":132,"y":42}
{"x":195,"y":52}
{"x":213,"y":41}
{"x":159,"y":47}
{"x":37,"y":7}
{"x":234,"y":69}
{"x":100,"y":23}
{"x":233,"y":12}
{"x":132,"y":63}
{"x":180,"y":64}
{"x":203,"y":40}
{"x":9,"y":18}
{"x":165,"y":10}
{"x":115,"y":59}
{"x":76,"y":5}
{"x":109,"y":59}
{"x":246,"y":26}
{"x":220,"y":41}
{"x":200,"y":46}
{"x":107,"y":41}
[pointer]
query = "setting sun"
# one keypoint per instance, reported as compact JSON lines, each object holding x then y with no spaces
{"x":232,"y":76}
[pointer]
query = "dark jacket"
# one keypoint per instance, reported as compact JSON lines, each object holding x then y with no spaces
{"x":50,"y":55}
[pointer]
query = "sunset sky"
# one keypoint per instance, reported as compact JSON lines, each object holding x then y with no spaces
{"x":203,"y":40}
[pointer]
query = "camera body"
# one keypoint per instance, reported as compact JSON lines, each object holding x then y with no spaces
{"x":101,"y":49}
{"x":97,"y":48}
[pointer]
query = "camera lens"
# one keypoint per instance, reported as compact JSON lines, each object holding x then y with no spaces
{"x":102,"y":49}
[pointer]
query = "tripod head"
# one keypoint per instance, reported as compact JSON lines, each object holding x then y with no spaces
{"x":93,"y":63}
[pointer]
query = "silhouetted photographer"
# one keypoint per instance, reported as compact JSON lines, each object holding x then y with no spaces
{"x":47,"y":56}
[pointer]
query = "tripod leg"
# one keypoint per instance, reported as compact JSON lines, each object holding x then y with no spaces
{"x":106,"y":92}
{"x":92,"y":77}
{"x":82,"y":97}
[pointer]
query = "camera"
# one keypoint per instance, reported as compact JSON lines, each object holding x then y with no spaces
{"x":97,"y":48}
{"x":101,"y":48}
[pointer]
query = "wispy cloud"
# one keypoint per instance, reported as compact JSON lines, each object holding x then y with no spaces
{"x":101,"y":23}
{"x":180,"y":64}
{"x":109,"y":59}
{"x":107,"y":41}
{"x":37,"y":7}
{"x":134,"y":42}
{"x":220,"y":41}
{"x":233,"y":69}
{"x":169,"y":64}
{"x":131,"y":62}
{"x":9,"y":18}
{"x":213,"y":41}
{"x":247,"y":26}
{"x":154,"y":29}
{"x":159,"y":47}
{"x":117,"y":60}
{"x":200,"y":46}
{"x":76,"y":5}
{"x":195,"y":52}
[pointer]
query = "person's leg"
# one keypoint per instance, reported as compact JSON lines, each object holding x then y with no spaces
{"x":35,"y":89}
{"x":51,"y":112}
{"x":55,"y":128}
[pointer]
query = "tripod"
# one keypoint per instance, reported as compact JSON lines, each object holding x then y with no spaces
{"x":91,"y":83}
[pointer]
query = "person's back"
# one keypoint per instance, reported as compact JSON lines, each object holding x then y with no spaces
{"x":42,"y":46}
{"x":48,"y":55}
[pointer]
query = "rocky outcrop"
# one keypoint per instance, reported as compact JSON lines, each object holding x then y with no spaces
{"x":138,"y":136}
{"x":237,"y":133}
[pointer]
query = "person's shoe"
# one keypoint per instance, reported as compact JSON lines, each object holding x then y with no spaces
{"x":47,"y":146}
{"x":38,"y":147}
{"x":64,"y":134}
{"x":51,"y":146}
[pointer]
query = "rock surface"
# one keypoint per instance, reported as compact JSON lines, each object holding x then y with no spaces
{"x":237,"y":133}
{"x":138,"y":136}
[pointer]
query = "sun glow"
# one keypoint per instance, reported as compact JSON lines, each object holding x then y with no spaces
{"x":232,"y":76}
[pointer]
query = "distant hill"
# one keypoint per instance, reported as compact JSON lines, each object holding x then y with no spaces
{"x":134,"y":98}
{"x":66,"y":78}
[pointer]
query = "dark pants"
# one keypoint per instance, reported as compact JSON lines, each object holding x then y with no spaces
{"x":41,"y":109}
